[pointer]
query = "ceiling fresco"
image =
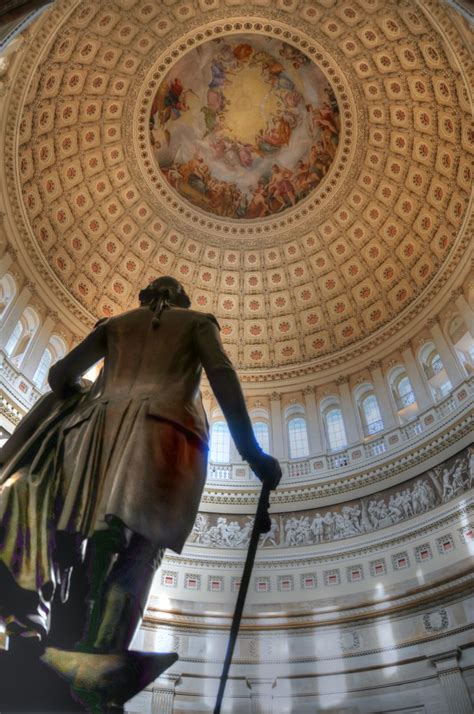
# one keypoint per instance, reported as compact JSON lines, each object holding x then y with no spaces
{"x":244,"y":126}
{"x":130,"y":122}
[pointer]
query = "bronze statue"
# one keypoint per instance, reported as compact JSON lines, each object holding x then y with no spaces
{"x":124,"y":464}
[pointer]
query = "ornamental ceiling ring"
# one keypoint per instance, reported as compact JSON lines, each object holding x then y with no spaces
{"x":319,"y":201}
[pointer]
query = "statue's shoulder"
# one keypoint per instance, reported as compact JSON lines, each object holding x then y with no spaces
{"x":125,"y":322}
{"x":203,"y":317}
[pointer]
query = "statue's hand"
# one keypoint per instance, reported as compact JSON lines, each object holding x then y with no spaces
{"x":266,"y":468}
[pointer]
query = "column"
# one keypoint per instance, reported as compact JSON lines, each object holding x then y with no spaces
{"x":464,"y":308}
{"x":348,"y":412}
{"x":452,"y":683}
{"x":35,"y":351}
{"x":163,"y":694}
{"x":312,"y":420}
{"x":389,"y":418}
{"x":15,"y":313}
{"x":206,"y":402}
{"x":278,"y":441}
{"x":421,"y":392}
{"x":450,"y":363}
{"x":261,"y":695}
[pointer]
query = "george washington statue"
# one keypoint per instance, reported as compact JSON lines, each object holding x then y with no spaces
{"x":120,"y":465}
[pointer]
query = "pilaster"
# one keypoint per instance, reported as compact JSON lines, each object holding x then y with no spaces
{"x":312,"y":419}
{"x":451,"y":679}
{"x":348,"y":411}
{"x":466,"y":313}
{"x":278,"y":440}
{"x":389,"y":418}
{"x":206,"y":402}
{"x":38,"y":345}
{"x":422,"y":394}
{"x":261,"y":694}
{"x":451,"y":365}
{"x":164,"y":693}
{"x":14,"y":315}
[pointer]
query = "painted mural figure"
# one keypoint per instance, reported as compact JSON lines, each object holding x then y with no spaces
{"x":120,"y":466}
{"x":260,"y":117}
{"x":169,"y":103}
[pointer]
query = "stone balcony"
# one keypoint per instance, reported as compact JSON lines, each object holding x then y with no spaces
{"x":371,"y":453}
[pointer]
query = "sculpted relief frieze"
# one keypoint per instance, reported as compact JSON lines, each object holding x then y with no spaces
{"x":346,"y":520}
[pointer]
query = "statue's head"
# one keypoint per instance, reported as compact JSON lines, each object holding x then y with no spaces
{"x":162,"y":293}
{"x":166,"y":288}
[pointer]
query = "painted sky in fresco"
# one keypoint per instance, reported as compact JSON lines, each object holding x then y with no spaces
{"x":244,"y":127}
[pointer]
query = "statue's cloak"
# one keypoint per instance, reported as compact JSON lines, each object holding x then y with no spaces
{"x":30,"y":494}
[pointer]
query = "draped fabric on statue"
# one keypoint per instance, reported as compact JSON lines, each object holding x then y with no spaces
{"x":107,"y":450}
{"x":67,"y":476}
{"x":30,"y":496}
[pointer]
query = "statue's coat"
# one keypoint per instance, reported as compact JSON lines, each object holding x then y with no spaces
{"x":137,"y":448}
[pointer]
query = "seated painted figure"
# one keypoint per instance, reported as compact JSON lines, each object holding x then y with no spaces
{"x":120,"y":466}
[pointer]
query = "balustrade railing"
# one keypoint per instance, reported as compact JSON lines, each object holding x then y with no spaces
{"x":299,"y":468}
{"x":368,"y":452}
{"x":446,"y":407}
{"x":374,"y":427}
{"x":411,"y":429}
{"x":220,"y":472}
{"x":9,"y":411}
{"x":376,"y":447}
{"x":23,"y":391}
{"x":338,"y":461}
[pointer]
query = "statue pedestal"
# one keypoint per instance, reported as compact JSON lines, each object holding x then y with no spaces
{"x":56,"y":680}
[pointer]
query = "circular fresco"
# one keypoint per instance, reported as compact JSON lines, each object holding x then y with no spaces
{"x":244,"y":127}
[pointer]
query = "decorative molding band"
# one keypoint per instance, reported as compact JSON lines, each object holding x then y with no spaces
{"x":349,"y":519}
{"x":331,"y":553}
{"x":453,"y":590}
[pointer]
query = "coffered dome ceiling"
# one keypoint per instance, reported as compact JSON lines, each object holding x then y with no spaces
{"x":302,"y":167}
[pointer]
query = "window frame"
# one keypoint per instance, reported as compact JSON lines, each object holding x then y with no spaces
{"x":305,"y":451}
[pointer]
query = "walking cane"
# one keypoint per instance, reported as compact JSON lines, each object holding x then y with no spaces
{"x":262,"y":525}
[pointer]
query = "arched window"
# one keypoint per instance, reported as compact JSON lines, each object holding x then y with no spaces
{"x":55,"y":350}
{"x":43,"y":368}
{"x":298,"y":438}
{"x":463,"y":342}
{"x":431,"y":361}
{"x":22,"y":334}
{"x":404,"y":392}
{"x":371,"y":415}
{"x":262,"y":434}
{"x":220,"y":443}
{"x":335,"y":430}
{"x":14,"y":338}
{"x":435,"y":371}
{"x":7,"y":293}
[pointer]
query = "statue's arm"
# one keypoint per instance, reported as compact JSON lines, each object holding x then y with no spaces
{"x":64,"y":376}
{"x":226,"y":387}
